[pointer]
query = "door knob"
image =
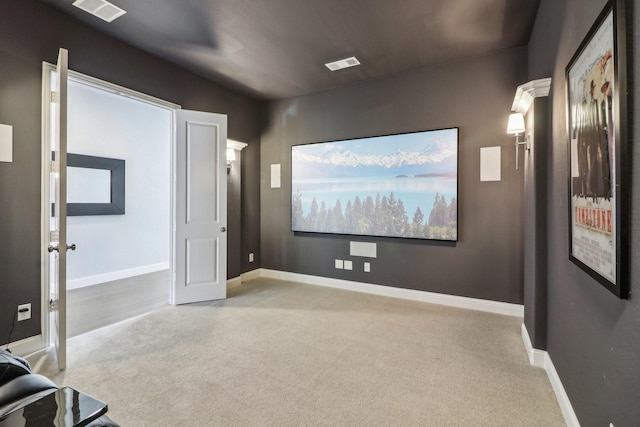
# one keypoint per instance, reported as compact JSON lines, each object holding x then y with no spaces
{"x":72,"y":247}
{"x":223,"y":229}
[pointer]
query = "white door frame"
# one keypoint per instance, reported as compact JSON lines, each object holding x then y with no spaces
{"x":43,"y":340}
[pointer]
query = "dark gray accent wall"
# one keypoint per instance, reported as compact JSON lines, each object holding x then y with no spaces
{"x":234,"y":220}
{"x":250,"y":205}
{"x":30,"y":33}
{"x":535,"y":224}
{"x":20,"y":83}
{"x":592,"y":337}
{"x":474,"y":95}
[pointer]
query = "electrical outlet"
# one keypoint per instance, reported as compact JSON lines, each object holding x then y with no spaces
{"x":367,"y":267}
{"x":339,"y":264}
{"x":348,"y":265}
{"x":24,"y":312}
{"x":251,"y":257}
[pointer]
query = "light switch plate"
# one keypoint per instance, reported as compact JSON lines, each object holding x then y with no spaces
{"x":6,"y":143}
{"x":275,"y":176}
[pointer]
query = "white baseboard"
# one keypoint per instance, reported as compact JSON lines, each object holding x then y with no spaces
{"x":253,"y":274}
{"x":503,"y":308}
{"x":536,"y":357}
{"x":234,"y":283}
{"x":115,"y":275}
{"x":563,"y":400}
{"x":26,"y":346}
{"x":541,"y":359}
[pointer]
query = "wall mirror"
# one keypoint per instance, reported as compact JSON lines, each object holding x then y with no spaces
{"x":95,"y":185}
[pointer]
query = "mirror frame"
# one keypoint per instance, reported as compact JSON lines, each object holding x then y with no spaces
{"x":117,"y":169}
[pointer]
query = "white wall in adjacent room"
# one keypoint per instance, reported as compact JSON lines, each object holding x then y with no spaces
{"x":109,"y":247}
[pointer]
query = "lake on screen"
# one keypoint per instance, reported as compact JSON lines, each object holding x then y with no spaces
{"x":413,"y":191}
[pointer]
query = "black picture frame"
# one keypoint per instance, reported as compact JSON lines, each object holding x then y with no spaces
{"x":117,"y":169}
{"x":598,"y":153}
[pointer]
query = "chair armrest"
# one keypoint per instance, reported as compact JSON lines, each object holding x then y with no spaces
{"x":23,"y":390}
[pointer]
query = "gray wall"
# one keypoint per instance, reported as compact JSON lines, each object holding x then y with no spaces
{"x":30,"y":33}
{"x":535,"y":223}
{"x":592,"y":337}
{"x":234,"y":220}
{"x":20,"y":195}
{"x":474,"y":95}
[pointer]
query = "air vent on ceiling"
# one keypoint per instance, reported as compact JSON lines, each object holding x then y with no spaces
{"x":342,"y":63}
{"x":100,"y":8}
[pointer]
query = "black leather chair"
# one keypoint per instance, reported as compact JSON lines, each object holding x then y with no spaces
{"x":20,"y":387}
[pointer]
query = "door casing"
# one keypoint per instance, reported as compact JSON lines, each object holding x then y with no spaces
{"x":44,"y":340}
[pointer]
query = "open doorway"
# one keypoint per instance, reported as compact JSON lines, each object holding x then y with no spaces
{"x":120,"y":267}
{"x":197,"y":208}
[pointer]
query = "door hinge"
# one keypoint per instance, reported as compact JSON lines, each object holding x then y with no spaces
{"x":55,"y":168}
{"x":54,"y":235}
{"x":55,"y":97}
{"x":53,"y":305}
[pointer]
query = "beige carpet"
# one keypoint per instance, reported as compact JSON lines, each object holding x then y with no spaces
{"x":286,"y":354}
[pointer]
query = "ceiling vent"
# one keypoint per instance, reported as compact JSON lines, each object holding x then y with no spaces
{"x":100,"y":8}
{"x":342,"y":63}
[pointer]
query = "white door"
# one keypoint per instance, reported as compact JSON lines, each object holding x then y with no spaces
{"x":199,"y":254}
{"x":58,"y":223}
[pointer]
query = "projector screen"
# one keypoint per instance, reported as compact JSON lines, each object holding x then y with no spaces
{"x":403,"y":185}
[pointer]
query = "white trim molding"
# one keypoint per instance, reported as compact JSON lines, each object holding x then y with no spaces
{"x":250,"y":275}
{"x":526,"y":93}
{"x":120,"y":90}
{"x":536,"y":357}
{"x":235,"y":145}
{"x":234,"y":283}
{"x":26,"y":346}
{"x":81,"y":282}
{"x":496,"y":307}
{"x":541,"y":359}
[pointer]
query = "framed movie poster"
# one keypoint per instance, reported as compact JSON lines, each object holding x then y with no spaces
{"x":598,"y":154}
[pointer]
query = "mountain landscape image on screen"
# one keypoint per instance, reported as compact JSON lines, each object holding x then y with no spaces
{"x":395,"y":186}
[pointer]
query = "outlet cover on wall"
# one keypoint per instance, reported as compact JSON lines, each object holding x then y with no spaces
{"x":251,"y":257}
{"x":367,"y":267}
{"x":348,"y":265}
{"x":24,"y":312}
{"x":339,"y":264}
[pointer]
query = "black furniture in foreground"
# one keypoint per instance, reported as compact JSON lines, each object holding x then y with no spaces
{"x":33,"y":400}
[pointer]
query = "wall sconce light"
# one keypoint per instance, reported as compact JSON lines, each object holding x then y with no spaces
{"x":231,"y":156}
{"x":515,"y":127}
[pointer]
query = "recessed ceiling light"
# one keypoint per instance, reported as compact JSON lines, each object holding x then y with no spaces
{"x":100,"y":8}
{"x":342,"y":63}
